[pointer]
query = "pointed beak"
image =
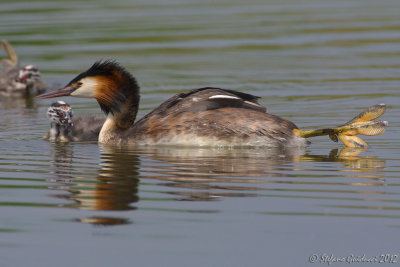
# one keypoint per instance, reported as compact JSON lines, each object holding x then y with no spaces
{"x":61,"y":92}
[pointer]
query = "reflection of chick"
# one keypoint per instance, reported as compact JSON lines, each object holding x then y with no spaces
{"x":16,"y":81}
{"x":64,"y":128}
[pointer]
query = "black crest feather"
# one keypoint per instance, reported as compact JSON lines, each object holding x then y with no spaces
{"x":128,"y":87}
{"x":101,"y":67}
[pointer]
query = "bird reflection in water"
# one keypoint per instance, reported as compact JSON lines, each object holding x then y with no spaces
{"x":209,"y":174}
{"x":117,"y":184}
{"x":196,"y":174}
{"x":352,"y":161}
{"x":114,"y":188}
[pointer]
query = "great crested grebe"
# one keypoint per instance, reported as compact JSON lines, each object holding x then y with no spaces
{"x":19,"y":81}
{"x":64,"y":127}
{"x":200,"y":117}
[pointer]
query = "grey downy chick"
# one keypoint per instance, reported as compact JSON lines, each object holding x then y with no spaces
{"x":65,"y":128}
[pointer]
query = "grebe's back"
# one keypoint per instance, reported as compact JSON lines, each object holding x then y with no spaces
{"x":213,"y":117}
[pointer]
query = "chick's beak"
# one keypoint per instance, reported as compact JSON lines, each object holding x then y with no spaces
{"x":22,"y":78}
{"x":61,"y":92}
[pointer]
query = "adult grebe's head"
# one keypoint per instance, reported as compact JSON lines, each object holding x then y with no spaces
{"x":106,"y":81}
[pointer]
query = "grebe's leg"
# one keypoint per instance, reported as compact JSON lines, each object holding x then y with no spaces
{"x":364,"y":124}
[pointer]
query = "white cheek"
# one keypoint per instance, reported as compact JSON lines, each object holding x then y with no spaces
{"x":87,"y":88}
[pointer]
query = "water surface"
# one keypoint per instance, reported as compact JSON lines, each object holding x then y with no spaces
{"x":317,"y":63}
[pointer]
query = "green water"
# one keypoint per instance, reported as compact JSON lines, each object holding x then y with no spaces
{"x":317,"y":63}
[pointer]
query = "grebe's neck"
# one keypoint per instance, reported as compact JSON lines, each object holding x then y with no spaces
{"x":118,"y":96}
{"x":123,"y":113}
{"x":118,"y":122}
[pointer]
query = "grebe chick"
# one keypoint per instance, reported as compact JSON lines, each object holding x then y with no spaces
{"x":16,"y":81}
{"x":64,"y":127}
{"x":60,"y":116}
{"x":200,"y":117}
